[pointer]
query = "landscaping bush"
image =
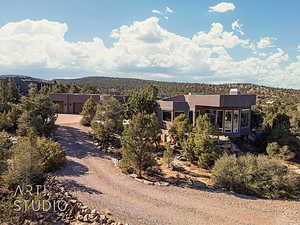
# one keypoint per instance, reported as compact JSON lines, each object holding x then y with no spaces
{"x":31,"y":160}
{"x":168,"y":155}
{"x":260,"y":176}
{"x":276,"y":151}
{"x":5,"y":145}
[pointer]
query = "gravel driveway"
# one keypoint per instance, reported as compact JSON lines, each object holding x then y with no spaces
{"x":94,"y":179}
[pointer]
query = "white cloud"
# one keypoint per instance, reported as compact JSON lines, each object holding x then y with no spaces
{"x":222,"y":7}
{"x":298,"y":47}
{"x":155,"y":11}
{"x":236,"y":26}
{"x":218,"y":37}
{"x":143,"y":49}
{"x":266,"y":42}
{"x":168,"y":10}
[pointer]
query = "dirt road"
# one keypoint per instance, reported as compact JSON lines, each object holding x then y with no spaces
{"x":92,"y":176}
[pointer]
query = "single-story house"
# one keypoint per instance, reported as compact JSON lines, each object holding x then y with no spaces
{"x":231,"y":114}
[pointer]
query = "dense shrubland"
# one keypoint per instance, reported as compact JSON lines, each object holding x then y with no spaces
{"x":260,"y":176}
{"x":26,"y":155}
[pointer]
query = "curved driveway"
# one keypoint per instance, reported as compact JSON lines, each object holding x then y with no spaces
{"x":94,"y":179}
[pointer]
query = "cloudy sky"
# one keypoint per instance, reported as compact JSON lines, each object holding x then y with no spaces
{"x":174,"y":40}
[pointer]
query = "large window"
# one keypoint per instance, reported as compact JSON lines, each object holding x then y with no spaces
{"x":235,"y":121}
{"x":212,"y":115}
{"x":219,"y":120}
{"x":167,"y":115}
{"x":228,"y":121}
{"x":245,"y":118}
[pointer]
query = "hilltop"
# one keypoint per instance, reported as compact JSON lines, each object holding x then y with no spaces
{"x":127,"y":85}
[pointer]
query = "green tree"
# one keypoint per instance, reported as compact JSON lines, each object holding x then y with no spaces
{"x":138,"y":142}
{"x":13,"y":95}
{"x":201,"y":147}
{"x":204,"y":126}
{"x":5,"y":145}
{"x":108,"y":121}
{"x":206,"y":150}
{"x":38,"y":116}
{"x":88,"y":112}
{"x":142,"y":101}
{"x":180,"y":128}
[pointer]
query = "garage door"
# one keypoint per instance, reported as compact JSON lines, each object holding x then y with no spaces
{"x":77,"y":108}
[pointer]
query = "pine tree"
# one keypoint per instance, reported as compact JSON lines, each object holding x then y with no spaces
{"x":142,"y":101}
{"x":88,"y":112}
{"x":138,"y":142}
{"x":13,"y":95}
{"x":180,"y":128}
{"x":107,"y":122}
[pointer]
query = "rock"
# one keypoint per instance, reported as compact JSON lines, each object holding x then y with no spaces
{"x":79,"y":217}
{"x":86,"y":218}
{"x":133,"y":175}
{"x":103,"y":217}
{"x":73,"y":201}
{"x":148,"y":182}
{"x":162,"y":183}
{"x":94,"y":211}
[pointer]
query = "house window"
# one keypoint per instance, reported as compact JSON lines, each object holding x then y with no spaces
{"x":245,"y":118}
{"x":228,"y":121}
{"x":177,"y":114}
{"x":236,"y":121}
{"x":220,"y":120}
{"x":167,"y":115}
{"x":212,"y":115}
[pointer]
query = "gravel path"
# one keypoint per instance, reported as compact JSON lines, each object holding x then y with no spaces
{"x":94,"y":179}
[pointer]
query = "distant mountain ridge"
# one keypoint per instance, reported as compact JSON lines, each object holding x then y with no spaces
{"x":23,"y":81}
{"x":127,"y":85}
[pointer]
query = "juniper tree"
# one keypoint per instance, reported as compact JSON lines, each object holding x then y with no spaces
{"x":88,"y":112}
{"x":108,"y":121}
{"x":138,"y":141}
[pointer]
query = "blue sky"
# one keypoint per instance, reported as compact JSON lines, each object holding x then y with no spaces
{"x":165,"y":46}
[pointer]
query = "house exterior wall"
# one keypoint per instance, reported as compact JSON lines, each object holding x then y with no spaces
{"x":72,"y":103}
{"x":193,"y":105}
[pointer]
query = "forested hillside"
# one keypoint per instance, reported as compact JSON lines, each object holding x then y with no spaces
{"x":127,"y":85}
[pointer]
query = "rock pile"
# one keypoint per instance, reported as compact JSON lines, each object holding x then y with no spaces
{"x":66,"y":209}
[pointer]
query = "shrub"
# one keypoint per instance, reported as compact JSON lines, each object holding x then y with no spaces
{"x":168,"y":155}
{"x":31,"y":160}
{"x":5,"y":145}
{"x":275,"y":150}
{"x":38,"y":116}
{"x":260,"y":176}
{"x":51,"y":153}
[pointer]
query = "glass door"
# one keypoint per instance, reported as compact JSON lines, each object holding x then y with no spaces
{"x":236,"y":116}
{"x":228,"y":121}
{"x":219,"y":122}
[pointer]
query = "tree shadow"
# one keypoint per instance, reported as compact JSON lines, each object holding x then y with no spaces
{"x":73,"y":168}
{"x":78,"y":144}
{"x":73,"y":186}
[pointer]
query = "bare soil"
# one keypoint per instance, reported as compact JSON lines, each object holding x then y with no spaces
{"x":92,"y":176}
